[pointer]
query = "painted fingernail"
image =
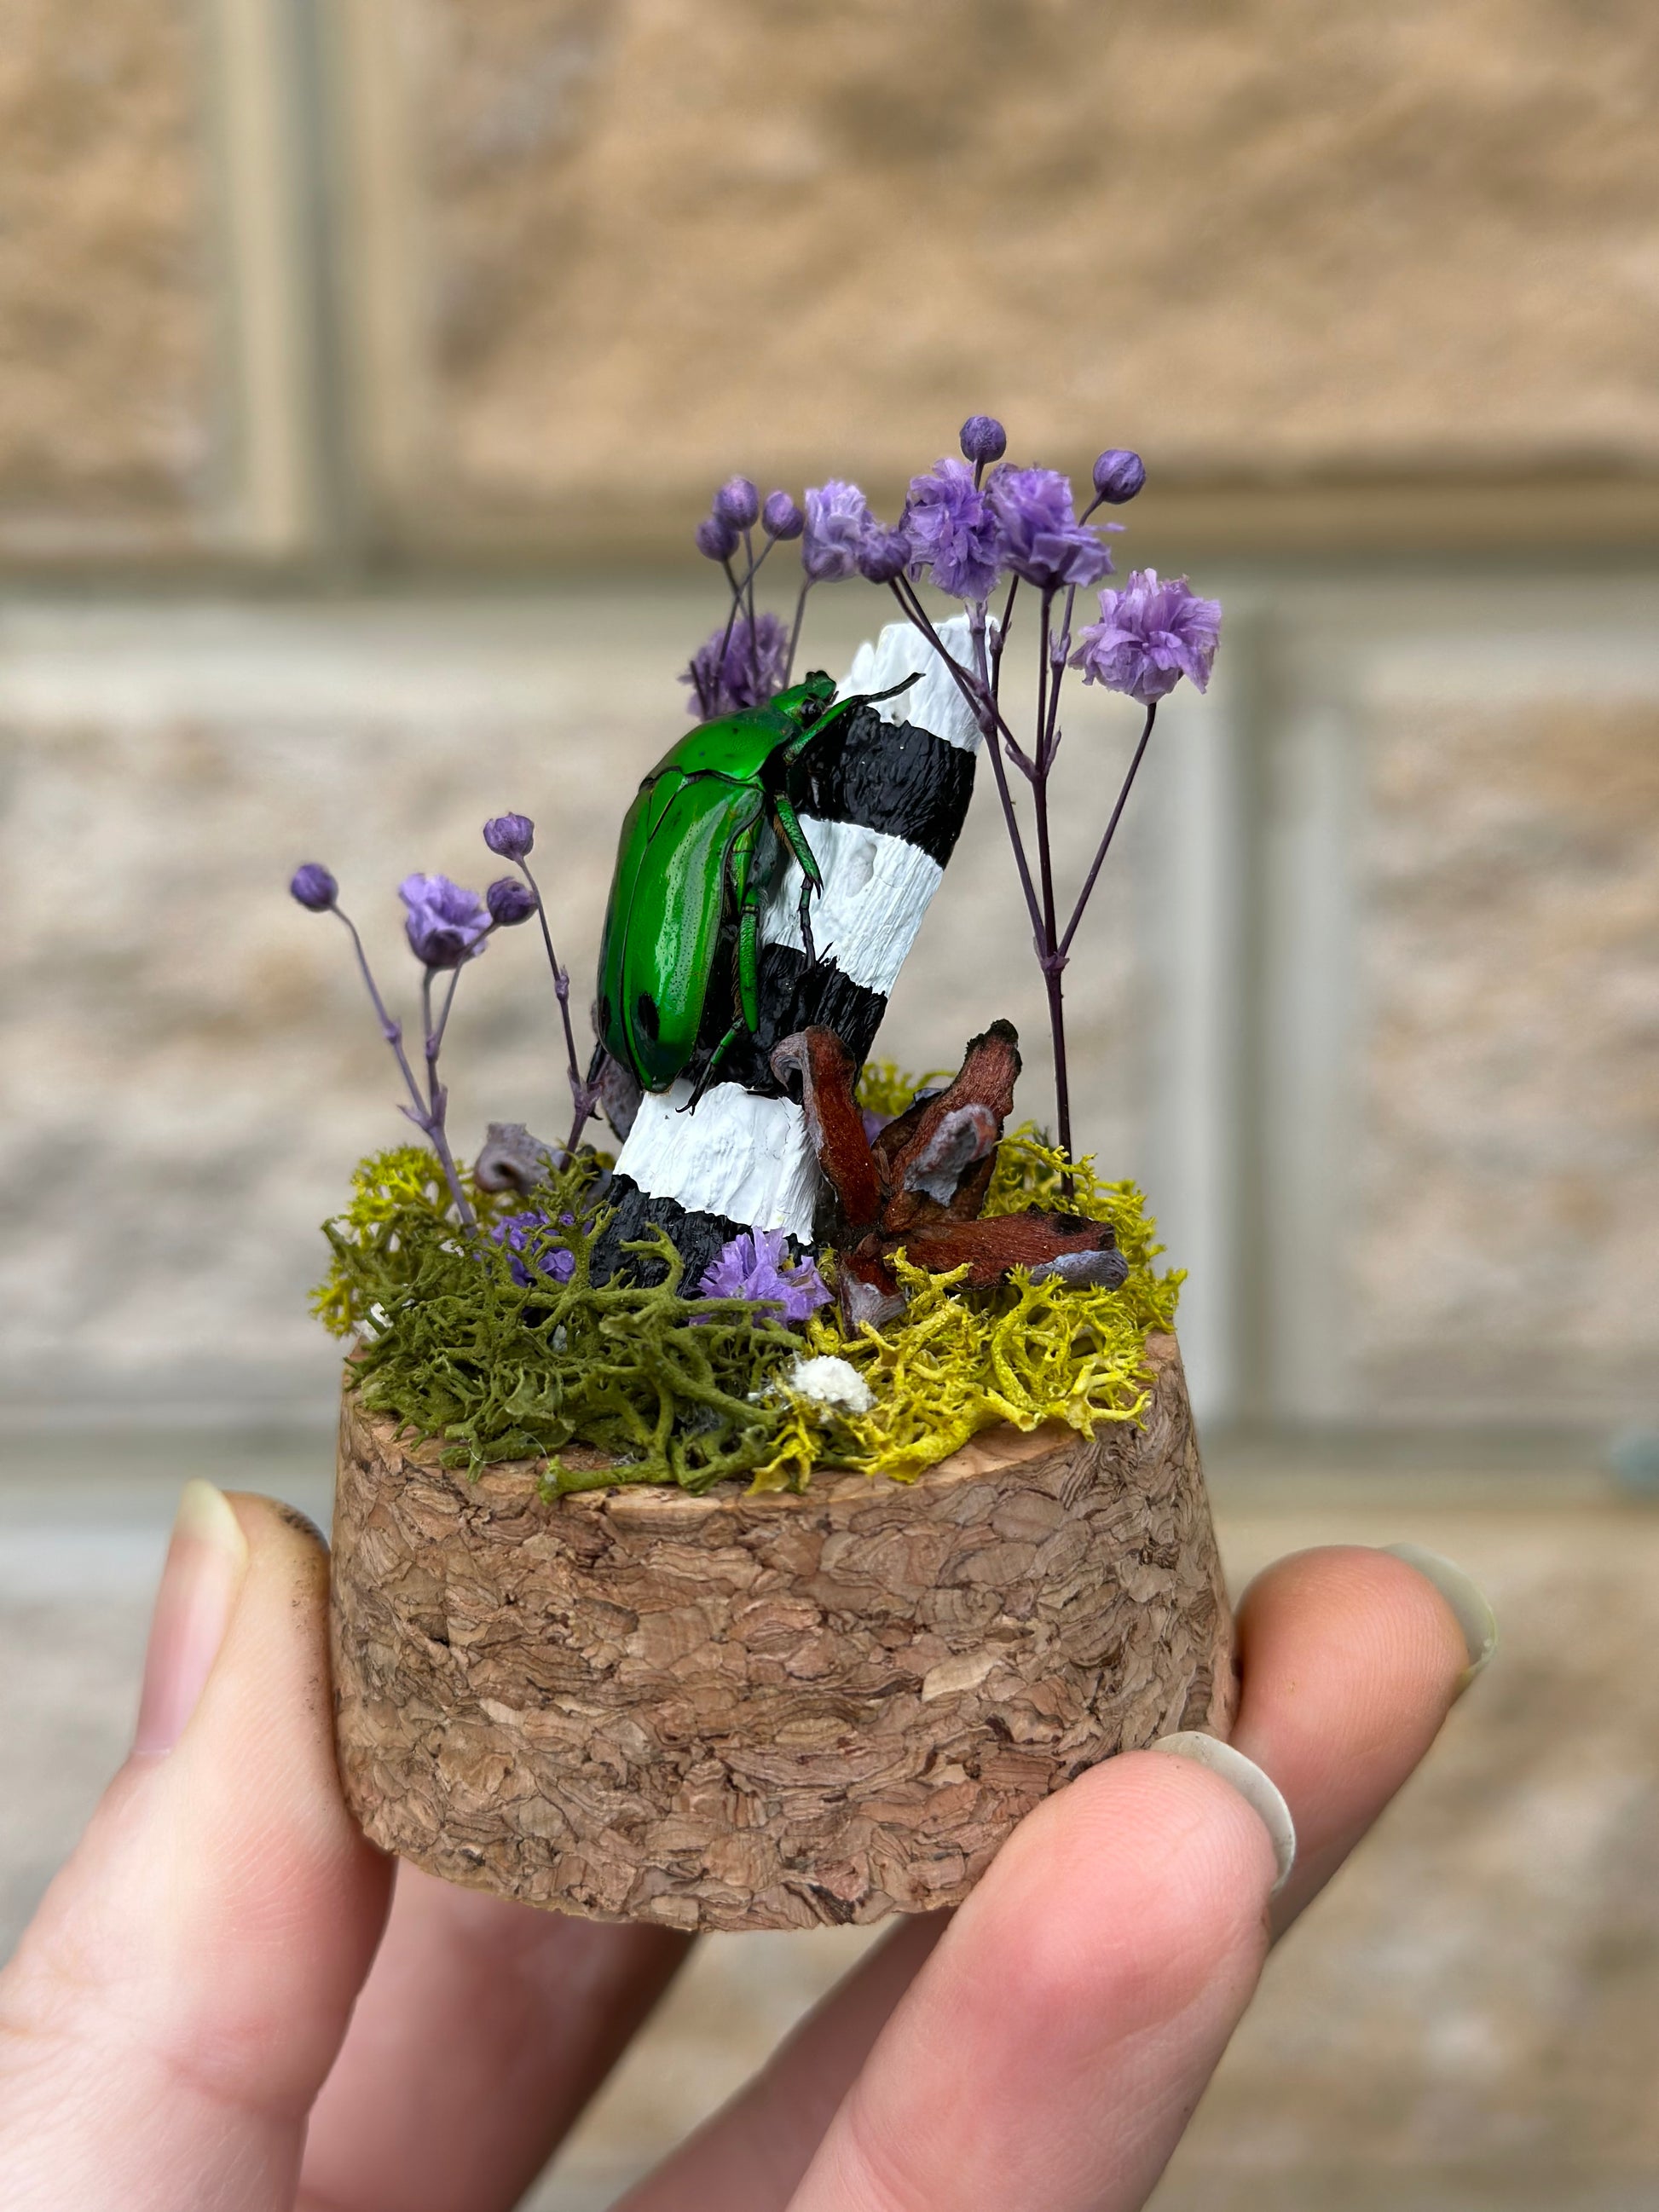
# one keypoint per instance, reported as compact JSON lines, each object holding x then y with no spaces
{"x":1260,"y":1793}
{"x":205,"y":1563}
{"x":1468,"y":1602}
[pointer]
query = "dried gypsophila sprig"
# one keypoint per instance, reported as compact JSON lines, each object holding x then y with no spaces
{"x":446,"y":927}
{"x":967,"y":532}
{"x":513,"y":837}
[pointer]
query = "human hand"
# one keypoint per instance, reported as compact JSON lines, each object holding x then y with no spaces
{"x":180,"y":2011}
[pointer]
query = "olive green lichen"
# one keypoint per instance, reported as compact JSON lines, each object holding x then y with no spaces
{"x":450,"y":1344}
{"x":453,"y":1346}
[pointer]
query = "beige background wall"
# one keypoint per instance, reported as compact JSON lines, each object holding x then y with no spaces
{"x":363,"y":363}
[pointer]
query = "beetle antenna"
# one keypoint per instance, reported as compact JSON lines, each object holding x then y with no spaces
{"x":874,"y":698}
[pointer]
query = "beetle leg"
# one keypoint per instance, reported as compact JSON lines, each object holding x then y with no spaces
{"x":748,"y":963}
{"x":707,"y":1074}
{"x":795,"y":837}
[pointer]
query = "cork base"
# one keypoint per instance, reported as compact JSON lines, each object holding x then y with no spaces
{"x":735,"y":1712}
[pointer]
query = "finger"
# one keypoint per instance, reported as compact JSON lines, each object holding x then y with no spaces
{"x":178,"y":1999}
{"x":752,"y":2154}
{"x":484,"y":2028}
{"x":1350,"y":1661}
{"x":1049,"y":2052}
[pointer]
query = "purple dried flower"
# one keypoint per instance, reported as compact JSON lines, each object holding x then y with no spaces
{"x":952,"y":531}
{"x":883,"y":554}
{"x":527,"y":1233}
{"x":313,"y":886}
{"x":838,"y":519}
{"x":1042,"y":540}
{"x":751,"y":670}
{"x":446,"y":925}
{"x":1150,"y":633}
{"x":512,"y":836}
{"x":983,"y":439}
{"x":737,"y":502}
{"x":510,"y":902}
{"x":716,"y":539}
{"x":756,"y":1265}
{"x":781,"y":517}
{"x":1119,"y":475}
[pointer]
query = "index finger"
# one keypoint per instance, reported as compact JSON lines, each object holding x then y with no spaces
{"x":1351,"y":1660}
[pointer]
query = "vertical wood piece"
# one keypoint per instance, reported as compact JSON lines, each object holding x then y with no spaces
{"x":735,"y":1712}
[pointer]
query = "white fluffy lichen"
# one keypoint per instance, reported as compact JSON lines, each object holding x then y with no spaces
{"x":835,"y":1384}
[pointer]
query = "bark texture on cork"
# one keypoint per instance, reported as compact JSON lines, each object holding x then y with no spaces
{"x":736,"y":1711}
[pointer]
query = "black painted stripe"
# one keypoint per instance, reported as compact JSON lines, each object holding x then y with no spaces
{"x":893,"y":777}
{"x":792,"y":995}
{"x":697,"y":1238}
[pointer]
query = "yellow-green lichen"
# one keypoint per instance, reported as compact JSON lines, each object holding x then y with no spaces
{"x":956,"y":1362}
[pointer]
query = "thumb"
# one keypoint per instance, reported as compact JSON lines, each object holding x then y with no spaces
{"x":175,"y":2004}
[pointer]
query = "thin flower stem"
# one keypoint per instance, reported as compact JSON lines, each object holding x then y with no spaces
{"x":794,"y":630}
{"x":1041,"y":725}
{"x":1062,"y":1082}
{"x":1050,"y":959}
{"x":1111,"y":828}
{"x":977,"y":698}
{"x":580,"y":1096}
{"x":443,"y":1019}
{"x":975,"y":688}
{"x":1057,"y":647}
{"x":749,"y":586}
{"x":725,"y":635}
{"x":1001,"y":638}
{"x":418,"y":1111}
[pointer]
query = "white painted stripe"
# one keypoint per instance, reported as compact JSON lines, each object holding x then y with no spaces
{"x":876,"y":889}
{"x":935,"y":703}
{"x":746,"y":1158}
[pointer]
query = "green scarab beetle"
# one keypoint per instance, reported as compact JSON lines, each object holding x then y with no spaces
{"x":691,"y":859}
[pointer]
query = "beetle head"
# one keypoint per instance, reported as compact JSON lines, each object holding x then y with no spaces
{"x":806,"y":700}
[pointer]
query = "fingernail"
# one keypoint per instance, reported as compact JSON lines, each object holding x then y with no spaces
{"x":205,"y":1563}
{"x":1468,"y":1602}
{"x":1260,"y":1793}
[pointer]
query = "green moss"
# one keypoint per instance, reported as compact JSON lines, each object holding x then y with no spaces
{"x":690,"y":1392}
{"x":452,"y":1347}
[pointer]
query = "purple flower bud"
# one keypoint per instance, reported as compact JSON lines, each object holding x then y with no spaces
{"x":314,"y":887}
{"x":883,"y":554}
{"x":512,"y":836}
{"x":510,"y":902}
{"x":781,"y":517}
{"x":1150,"y":634}
{"x":446,"y":925}
{"x":952,"y":531}
{"x":716,"y":539}
{"x":737,"y":502}
{"x":983,"y":439}
{"x":526,"y":1237}
{"x":837,"y":521}
{"x":1041,"y":539}
{"x":1119,"y":476}
{"x":757,"y":1265}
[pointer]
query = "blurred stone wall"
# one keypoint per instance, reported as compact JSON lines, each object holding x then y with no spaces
{"x":363,"y":364}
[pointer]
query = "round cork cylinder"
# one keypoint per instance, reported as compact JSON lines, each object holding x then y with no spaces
{"x":739,"y":1711}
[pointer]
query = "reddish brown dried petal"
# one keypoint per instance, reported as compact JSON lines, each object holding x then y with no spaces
{"x":908,"y":1150}
{"x":833,"y":1120}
